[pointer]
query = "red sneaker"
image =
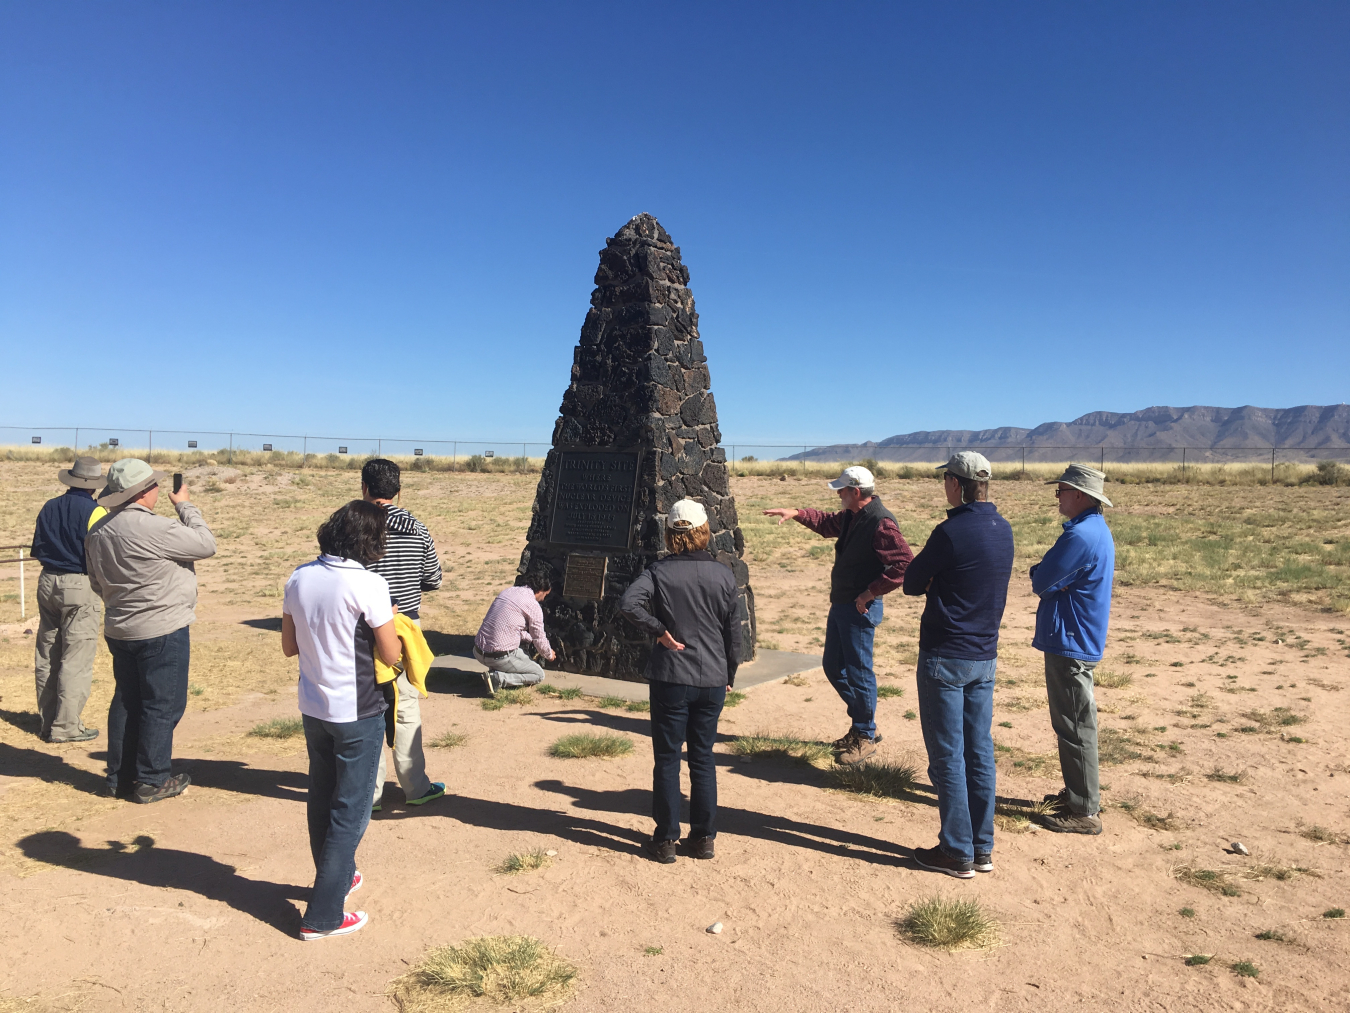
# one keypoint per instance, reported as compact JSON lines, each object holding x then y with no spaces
{"x":357,"y":881}
{"x":352,"y":921}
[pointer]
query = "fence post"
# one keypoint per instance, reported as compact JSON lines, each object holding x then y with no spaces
{"x":1102,"y":465}
{"x":454,"y":454}
{"x":1272,"y":465}
{"x":150,"y":451}
{"x":77,"y":441}
{"x":804,"y":450}
{"x":1183,"y":464}
{"x":22,"y":599}
{"x":1024,"y":462}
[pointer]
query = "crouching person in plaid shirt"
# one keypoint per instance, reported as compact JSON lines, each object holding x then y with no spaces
{"x":514,"y":616}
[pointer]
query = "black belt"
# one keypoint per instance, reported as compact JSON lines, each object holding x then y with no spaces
{"x":494,"y":654}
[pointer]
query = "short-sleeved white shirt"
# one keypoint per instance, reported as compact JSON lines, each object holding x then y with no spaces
{"x":336,"y":603}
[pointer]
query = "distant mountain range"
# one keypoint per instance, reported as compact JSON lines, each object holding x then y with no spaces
{"x":1152,"y":434}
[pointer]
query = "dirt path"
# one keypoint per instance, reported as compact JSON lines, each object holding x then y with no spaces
{"x":193,"y":904}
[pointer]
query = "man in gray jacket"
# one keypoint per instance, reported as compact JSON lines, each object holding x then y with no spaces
{"x":140,"y":564}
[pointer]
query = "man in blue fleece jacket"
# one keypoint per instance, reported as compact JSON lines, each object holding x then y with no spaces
{"x":1073,"y":581}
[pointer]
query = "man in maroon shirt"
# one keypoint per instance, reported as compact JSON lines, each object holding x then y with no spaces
{"x":870,"y":556}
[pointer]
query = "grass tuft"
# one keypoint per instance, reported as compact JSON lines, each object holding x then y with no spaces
{"x":888,"y":692}
{"x":1114,"y":746}
{"x":638,"y":706}
{"x":524,"y":861}
{"x":1219,"y":774}
{"x":1278,"y":717}
{"x":817,"y":754}
{"x":1206,"y":879}
{"x":1271,"y":934}
{"x":278,"y":728}
{"x":501,"y":969}
{"x":653,"y":951}
{"x":1111,"y":680}
{"x":879,"y":779}
{"x":949,"y":924}
{"x":1334,"y":912}
{"x":1245,"y":968}
{"x":1145,"y":818}
{"x":1322,"y":835}
{"x":734,"y":698}
{"x":796,"y":680}
{"x":1187,"y":912}
{"x":583,"y":745}
{"x":449,"y":740}
{"x":611,"y":702}
{"x":1199,"y":959}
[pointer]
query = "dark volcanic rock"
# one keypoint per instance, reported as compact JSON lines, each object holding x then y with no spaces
{"x":639,"y":386}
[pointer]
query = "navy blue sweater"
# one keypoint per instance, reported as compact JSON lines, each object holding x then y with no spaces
{"x":968,"y":559}
{"x":58,"y":539}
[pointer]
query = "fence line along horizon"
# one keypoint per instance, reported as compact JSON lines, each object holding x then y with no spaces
{"x":179,"y":441}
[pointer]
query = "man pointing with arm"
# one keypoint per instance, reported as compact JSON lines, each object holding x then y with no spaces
{"x":870,"y":557}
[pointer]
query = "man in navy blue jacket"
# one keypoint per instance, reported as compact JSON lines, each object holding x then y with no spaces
{"x":1074,"y":585}
{"x":68,"y":622}
{"x":964,"y":571}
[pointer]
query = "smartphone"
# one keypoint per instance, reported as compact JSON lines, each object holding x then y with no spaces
{"x":177,"y":482}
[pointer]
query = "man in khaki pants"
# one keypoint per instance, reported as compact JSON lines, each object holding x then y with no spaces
{"x":68,"y":613}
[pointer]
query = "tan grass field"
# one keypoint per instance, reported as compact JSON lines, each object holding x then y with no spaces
{"x":1224,"y":713}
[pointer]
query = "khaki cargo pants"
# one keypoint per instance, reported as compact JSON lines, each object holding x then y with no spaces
{"x":67,"y":637}
{"x":410,"y":762}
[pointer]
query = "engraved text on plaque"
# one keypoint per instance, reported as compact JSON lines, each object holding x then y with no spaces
{"x":585,"y":576}
{"x":593,"y":505}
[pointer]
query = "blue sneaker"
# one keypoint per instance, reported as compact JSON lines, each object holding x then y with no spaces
{"x":436,"y":790}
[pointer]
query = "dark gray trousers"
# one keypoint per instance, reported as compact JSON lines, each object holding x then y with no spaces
{"x":1073,"y":715}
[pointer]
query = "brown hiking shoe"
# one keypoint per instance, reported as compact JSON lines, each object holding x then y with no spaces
{"x":1072,"y":823}
{"x":698,"y":847}
{"x":1060,"y":801}
{"x":175,"y":785}
{"x":660,"y":851}
{"x":856,"y":750}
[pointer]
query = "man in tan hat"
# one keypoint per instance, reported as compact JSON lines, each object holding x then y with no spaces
{"x":67,"y":635}
{"x":1073,"y":581}
{"x":141,"y":565}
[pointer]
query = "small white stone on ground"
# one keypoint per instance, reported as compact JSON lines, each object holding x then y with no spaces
{"x":551,"y":853}
{"x":715,"y":928}
{"x":1239,"y":847}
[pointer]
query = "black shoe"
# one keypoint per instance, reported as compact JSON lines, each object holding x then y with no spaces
{"x":936,"y":860}
{"x":660,"y":851}
{"x":146,"y":793}
{"x":698,"y":847}
{"x":109,"y":791}
{"x":83,"y":735}
{"x":984,"y":862}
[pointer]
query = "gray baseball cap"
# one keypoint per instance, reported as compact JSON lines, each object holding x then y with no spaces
{"x":968,"y":464}
{"x":1084,"y":479}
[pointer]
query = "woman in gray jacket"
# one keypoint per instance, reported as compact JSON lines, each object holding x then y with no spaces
{"x":688,"y":602}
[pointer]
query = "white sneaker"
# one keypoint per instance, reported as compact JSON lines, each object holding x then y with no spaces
{"x":352,"y":921}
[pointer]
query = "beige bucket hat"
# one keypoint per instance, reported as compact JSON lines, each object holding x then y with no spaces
{"x":1084,"y":479}
{"x":85,"y":473}
{"x":127,"y":479}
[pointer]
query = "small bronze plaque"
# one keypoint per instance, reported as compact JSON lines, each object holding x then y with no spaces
{"x":585,"y":577}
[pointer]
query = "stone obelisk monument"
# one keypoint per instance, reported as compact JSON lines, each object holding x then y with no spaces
{"x":637,"y":431}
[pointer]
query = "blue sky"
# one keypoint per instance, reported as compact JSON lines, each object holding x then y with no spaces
{"x":384,"y":218}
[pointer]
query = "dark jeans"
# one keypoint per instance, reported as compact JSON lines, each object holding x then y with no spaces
{"x":342,"y":761}
{"x":848,"y":661}
{"x":956,"y":709}
{"x":151,"y":695}
{"x":680,"y":715}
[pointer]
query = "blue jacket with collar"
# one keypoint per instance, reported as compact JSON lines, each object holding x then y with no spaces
{"x":1074,"y":585}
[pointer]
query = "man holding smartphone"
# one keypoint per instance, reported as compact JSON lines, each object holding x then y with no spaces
{"x":140,"y":564}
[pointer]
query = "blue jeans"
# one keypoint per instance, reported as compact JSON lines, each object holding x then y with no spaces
{"x":956,"y":709}
{"x":680,"y":715}
{"x":342,"y":761}
{"x":151,"y":678}
{"x":848,"y":661}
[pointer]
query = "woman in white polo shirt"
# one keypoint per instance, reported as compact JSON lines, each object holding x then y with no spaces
{"x":336,"y":615}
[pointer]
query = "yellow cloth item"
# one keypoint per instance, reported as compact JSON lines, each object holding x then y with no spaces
{"x":98,"y":515}
{"x":417,"y":656}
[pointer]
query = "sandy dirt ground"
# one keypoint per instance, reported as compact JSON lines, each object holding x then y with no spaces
{"x":193,"y":904}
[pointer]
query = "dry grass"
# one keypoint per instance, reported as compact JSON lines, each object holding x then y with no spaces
{"x":876,"y":778}
{"x":1111,"y":680}
{"x":796,"y":680}
{"x":1146,"y":818}
{"x":817,"y":754}
{"x":585,"y":745}
{"x":448,"y":740}
{"x":1207,"y":879}
{"x":508,"y":698}
{"x":500,"y":969}
{"x":946,"y":924}
{"x":523,"y":861}
{"x":278,"y":728}
{"x":1321,"y":835}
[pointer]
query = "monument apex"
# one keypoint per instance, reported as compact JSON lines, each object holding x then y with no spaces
{"x":637,"y":430}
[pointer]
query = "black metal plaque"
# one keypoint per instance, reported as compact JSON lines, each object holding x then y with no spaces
{"x":593,"y":504}
{"x":585,"y":576}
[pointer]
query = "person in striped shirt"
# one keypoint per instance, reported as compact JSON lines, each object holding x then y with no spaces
{"x":409,"y":566}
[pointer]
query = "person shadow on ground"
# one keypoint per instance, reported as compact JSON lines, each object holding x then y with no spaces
{"x":143,"y":862}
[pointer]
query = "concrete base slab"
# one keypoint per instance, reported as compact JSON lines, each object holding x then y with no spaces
{"x":769,"y":666}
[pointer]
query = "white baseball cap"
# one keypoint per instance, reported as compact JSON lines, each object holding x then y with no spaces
{"x":687,"y":514}
{"x":853,"y":478}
